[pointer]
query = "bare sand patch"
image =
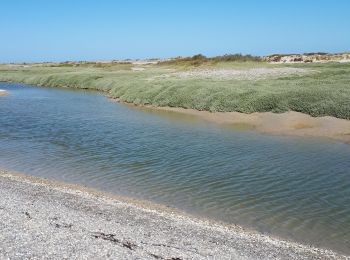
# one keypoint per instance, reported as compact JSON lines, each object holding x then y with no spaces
{"x":3,"y":93}
{"x":249,"y":74}
{"x":288,"y":123}
{"x":137,"y":69}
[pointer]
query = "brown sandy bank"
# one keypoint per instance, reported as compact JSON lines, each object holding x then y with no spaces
{"x":3,"y":93}
{"x":289,"y":123}
{"x":46,"y":219}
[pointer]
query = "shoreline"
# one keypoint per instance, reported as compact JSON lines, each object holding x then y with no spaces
{"x":289,"y":123}
{"x":3,"y":93}
{"x":110,"y":226}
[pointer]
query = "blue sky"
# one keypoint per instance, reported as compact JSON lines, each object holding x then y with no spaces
{"x":59,"y":30}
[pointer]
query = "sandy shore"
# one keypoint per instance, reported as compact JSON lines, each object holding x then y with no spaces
{"x":3,"y":93}
{"x":289,"y":123}
{"x":45,"y":219}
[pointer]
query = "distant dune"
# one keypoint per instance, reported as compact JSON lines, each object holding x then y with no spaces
{"x":308,"y":57}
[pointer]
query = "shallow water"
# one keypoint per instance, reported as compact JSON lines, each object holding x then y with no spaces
{"x":291,"y":187}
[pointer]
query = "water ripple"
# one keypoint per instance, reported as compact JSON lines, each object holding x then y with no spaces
{"x":296,"y":188}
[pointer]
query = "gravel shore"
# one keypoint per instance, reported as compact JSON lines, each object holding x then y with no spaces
{"x":49,"y":220}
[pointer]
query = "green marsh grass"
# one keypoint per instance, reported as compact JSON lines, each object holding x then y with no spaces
{"x":324,"y":91}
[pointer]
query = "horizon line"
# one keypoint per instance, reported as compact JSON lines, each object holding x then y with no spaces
{"x":176,"y":57}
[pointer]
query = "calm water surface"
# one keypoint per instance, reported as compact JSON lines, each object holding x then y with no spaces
{"x":291,"y":187}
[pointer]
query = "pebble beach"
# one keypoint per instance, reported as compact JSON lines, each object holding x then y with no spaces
{"x":42,"y":219}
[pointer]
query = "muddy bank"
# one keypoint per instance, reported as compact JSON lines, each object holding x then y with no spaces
{"x":44,"y":219}
{"x":3,"y":93}
{"x":289,"y":123}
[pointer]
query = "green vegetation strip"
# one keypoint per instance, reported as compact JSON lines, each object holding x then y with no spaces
{"x":323,"y":90}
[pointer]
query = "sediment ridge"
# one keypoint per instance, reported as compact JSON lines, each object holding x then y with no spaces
{"x":3,"y":93}
{"x":289,"y":123}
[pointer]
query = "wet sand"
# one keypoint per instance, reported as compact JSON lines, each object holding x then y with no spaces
{"x":289,"y":123}
{"x":46,"y":219}
{"x":3,"y":93}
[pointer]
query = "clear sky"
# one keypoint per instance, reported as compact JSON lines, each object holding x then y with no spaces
{"x":59,"y":30}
